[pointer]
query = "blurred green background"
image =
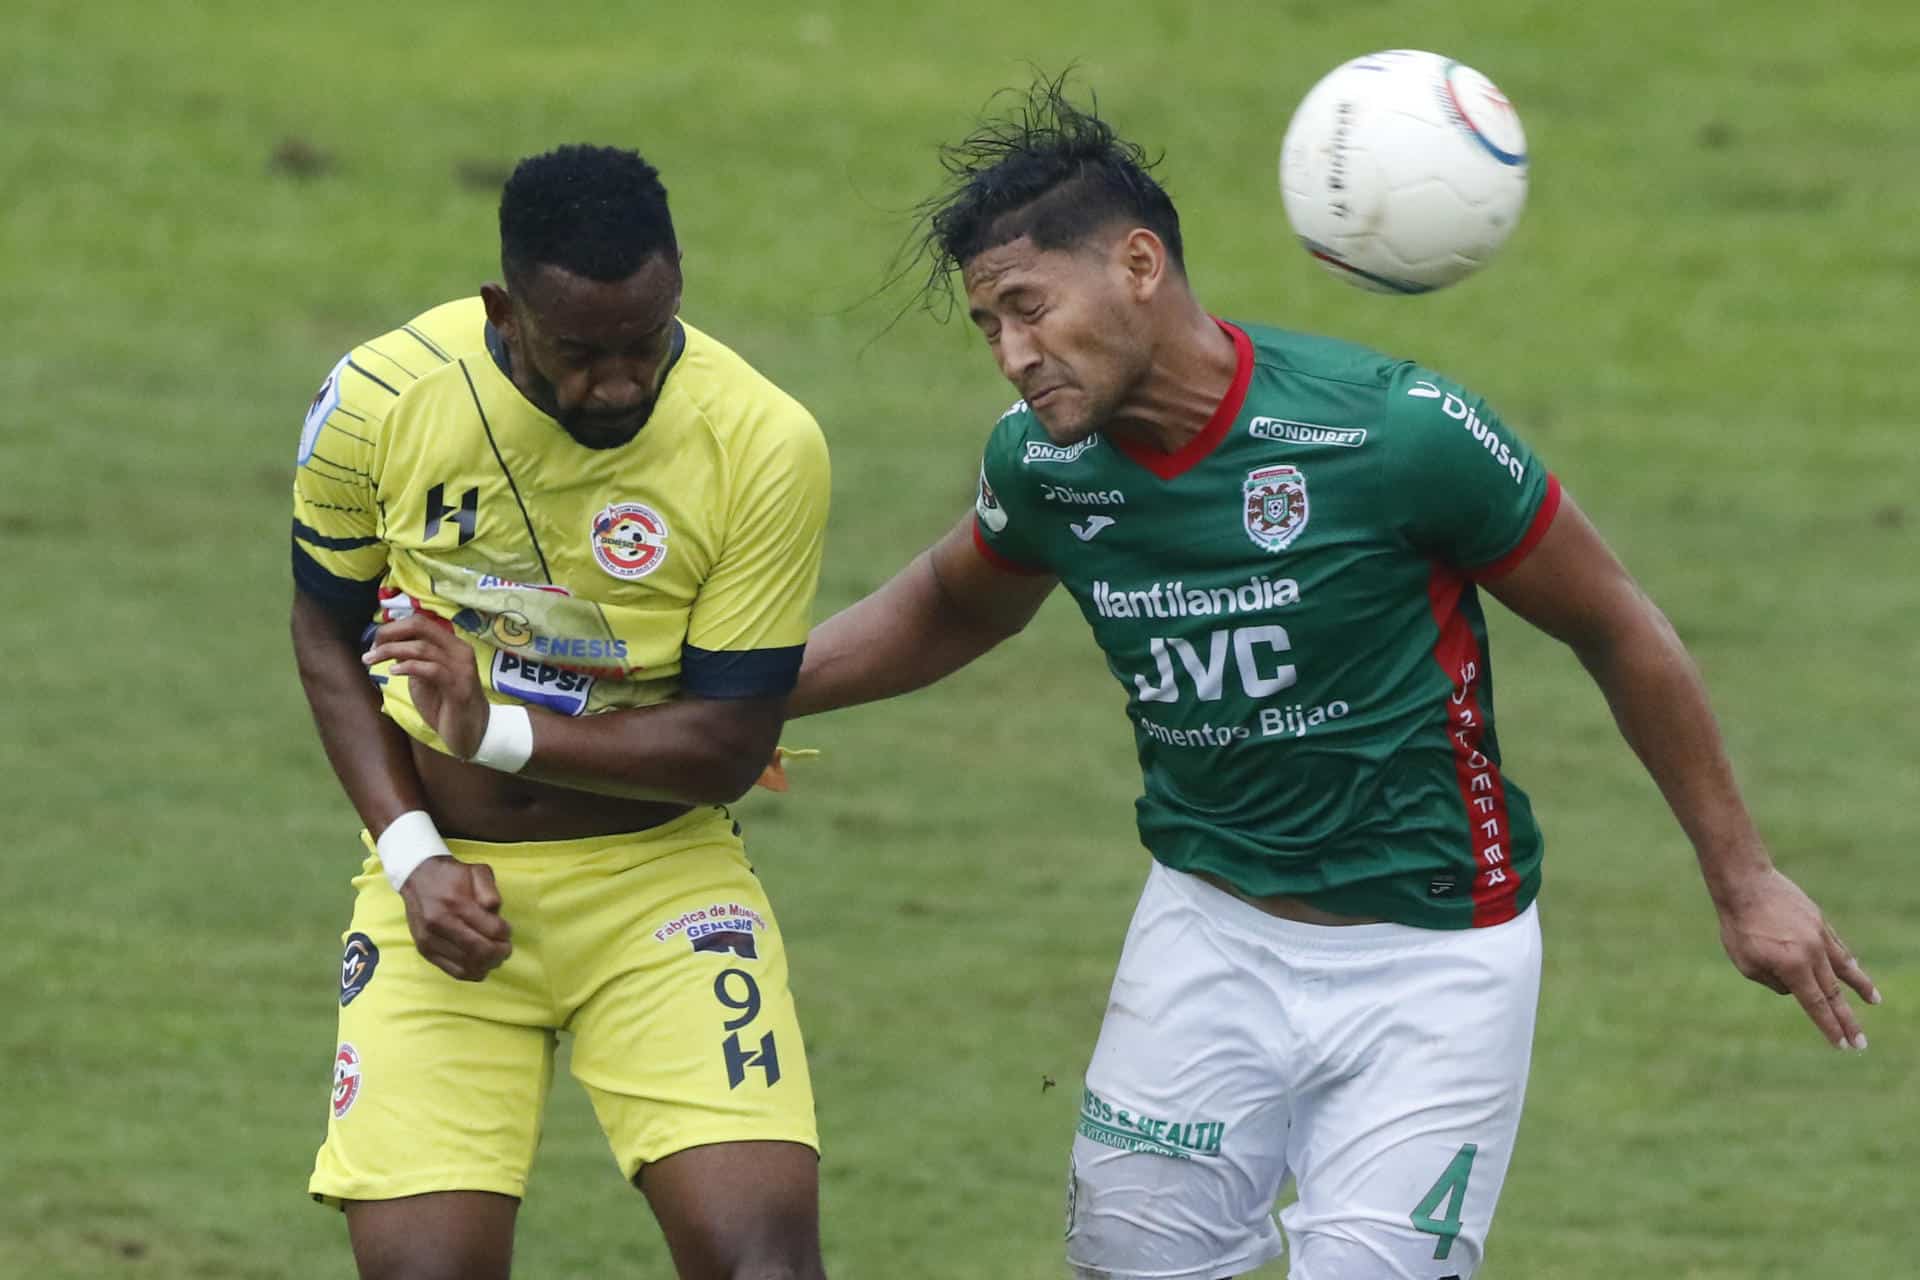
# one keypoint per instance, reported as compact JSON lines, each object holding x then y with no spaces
{"x":1704,"y":323}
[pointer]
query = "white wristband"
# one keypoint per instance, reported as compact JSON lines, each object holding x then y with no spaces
{"x":507,"y":744}
{"x":408,"y":841}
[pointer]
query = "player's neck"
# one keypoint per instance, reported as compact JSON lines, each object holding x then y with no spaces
{"x":1192,"y":371}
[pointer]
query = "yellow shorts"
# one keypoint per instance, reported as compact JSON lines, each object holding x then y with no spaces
{"x":657,"y":951}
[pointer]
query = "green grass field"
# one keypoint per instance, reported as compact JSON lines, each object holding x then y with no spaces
{"x":1704,"y":323}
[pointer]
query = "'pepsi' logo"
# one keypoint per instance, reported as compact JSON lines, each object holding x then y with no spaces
{"x":541,"y":683}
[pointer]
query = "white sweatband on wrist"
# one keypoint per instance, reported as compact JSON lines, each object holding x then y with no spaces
{"x":507,"y":744}
{"x":408,"y":841}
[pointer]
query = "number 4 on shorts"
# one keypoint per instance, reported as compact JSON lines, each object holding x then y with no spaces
{"x":1449,"y":1194}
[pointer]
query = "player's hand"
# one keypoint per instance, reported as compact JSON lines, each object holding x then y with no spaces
{"x":441,"y":674}
{"x":453,"y":912}
{"x":1774,"y":934}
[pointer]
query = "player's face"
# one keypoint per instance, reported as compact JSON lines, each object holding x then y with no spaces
{"x":588,"y":353}
{"x":1065,"y":328}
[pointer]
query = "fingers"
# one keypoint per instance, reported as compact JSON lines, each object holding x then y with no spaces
{"x":1848,"y":968}
{"x":423,"y":669}
{"x":412,"y":627}
{"x":485,"y":892}
{"x":450,"y":959}
{"x":466,"y":957}
{"x":410,"y":651}
{"x":459,"y":932}
{"x":418,"y":636}
{"x":479,"y":929}
{"x":1823,"y":997}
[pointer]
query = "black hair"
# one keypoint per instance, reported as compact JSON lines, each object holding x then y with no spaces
{"x":597,"y":212}
{"x":1045,"y":169}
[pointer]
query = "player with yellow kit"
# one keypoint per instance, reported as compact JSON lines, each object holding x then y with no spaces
{"x":574,"y":541}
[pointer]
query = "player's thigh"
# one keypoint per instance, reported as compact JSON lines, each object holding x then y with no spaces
{"x":688,"y":1035}
{"x":1180,"y":1148}
{"x":1400,"y":1162}
{"x":444,"y":1235}
{"x":438,"y":1084}
{"x":739,"y":1209}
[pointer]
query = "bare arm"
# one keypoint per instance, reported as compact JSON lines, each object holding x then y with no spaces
{"x":1573,"y":588}
{"x":693,"y":750}
{"x":946,"y":608}
{"x":453,"y":908}
{"x":369,"y":753}
{"x":690,"y":750}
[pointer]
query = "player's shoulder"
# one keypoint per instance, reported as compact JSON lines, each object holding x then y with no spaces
{"x":743,"y":408}
{"x":359,"y":394}
{"x":1390,"y":390}
{"x":1316,"y":358}
{"x":390,"y":366}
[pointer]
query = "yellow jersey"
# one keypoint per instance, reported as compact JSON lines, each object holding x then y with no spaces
{"x":684,"y":561}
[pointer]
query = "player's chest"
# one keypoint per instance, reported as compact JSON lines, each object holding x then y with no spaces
{"x":624,"y":528}
{"x":1243,"y":514}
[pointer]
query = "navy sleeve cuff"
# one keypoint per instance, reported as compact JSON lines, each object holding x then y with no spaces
{"x":348,"y":597}
{"x":744,"y":673}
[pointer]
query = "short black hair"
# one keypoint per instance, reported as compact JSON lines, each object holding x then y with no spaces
{"x":1046,"y":169}
{"x":597,"y":212}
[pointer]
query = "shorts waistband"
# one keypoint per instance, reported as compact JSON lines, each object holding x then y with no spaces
{"x":1301,"y":938}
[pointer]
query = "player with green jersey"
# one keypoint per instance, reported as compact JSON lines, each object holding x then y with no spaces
{"x":1278,"y":542}
{"x":1288,"y":602}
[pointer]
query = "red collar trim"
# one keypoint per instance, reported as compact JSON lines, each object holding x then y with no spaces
{"x":1171,"y":465}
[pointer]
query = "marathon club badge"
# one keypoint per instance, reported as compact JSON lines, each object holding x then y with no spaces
{"x":1276,"y":506}
{"x":629,"y":539}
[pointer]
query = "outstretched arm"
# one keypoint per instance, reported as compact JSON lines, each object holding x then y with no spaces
{"x":1573,"y":588}
{"x":946,"y":608}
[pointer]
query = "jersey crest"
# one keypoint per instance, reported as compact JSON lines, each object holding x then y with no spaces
{"x":629,"y":539}
{"x":1276,"y":506}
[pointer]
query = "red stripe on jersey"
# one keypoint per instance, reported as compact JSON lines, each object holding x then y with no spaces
{"x":1542,"y":520}
{"x":1483,"y":793}
{"x":996,"y":559}
{"x":1189,"y":455}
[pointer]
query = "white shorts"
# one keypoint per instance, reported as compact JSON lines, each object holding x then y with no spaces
{"x":1382,"y":1067}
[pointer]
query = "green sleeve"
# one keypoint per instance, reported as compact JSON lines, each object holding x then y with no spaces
{"x":1006,"y":525}
{"x":1467,"y":490}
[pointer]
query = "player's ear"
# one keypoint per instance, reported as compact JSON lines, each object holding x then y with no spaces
{"x":1143,"y":257}
{"x":499,"y":308}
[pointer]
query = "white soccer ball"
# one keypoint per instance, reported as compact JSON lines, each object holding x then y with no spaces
{"x":1403,"y":171}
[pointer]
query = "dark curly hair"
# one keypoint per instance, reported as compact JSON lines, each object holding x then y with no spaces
{"x":597,"y":212}
{"x":1045,"y":169}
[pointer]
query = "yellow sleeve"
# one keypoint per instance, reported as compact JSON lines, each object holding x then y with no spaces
{"x":338,"y":555}
{"x":748,"y":627}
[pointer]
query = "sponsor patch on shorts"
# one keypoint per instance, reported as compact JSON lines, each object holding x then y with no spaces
{"x":722,"y":927}
{"x":1113,"y":1125}
{"x":357,"y":964}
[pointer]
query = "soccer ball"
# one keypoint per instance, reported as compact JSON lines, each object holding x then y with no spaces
{"x":1403,"y":171}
